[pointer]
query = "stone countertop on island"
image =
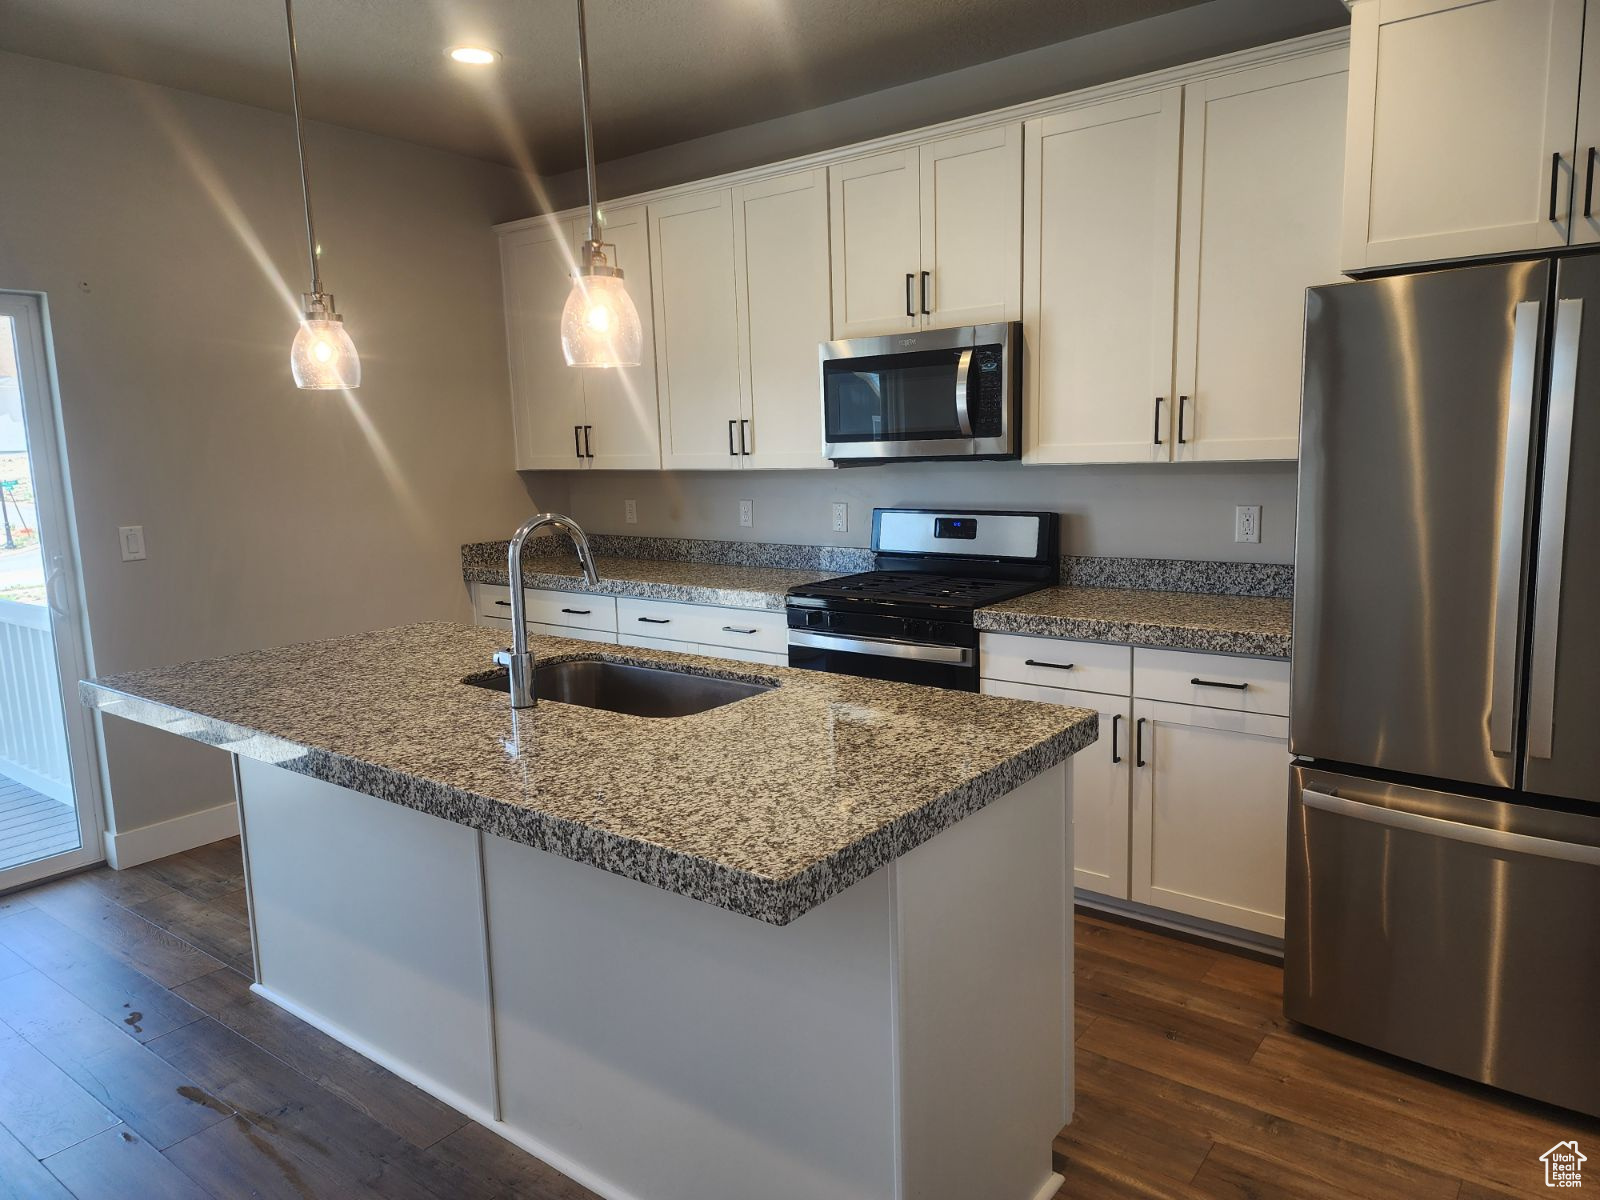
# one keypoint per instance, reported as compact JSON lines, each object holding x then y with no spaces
{"x":766,"y":807}
{"x":1253,"y":625}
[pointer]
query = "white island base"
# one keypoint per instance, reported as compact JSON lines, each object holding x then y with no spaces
{"x":909,"y":1039}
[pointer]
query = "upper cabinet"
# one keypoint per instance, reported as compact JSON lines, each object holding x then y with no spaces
{"x":565,"y":418}
{"x":928,"y":236}
{"x":1461,"y":129}
{"x":1169,"y":241}
{"x":1263,"y":156}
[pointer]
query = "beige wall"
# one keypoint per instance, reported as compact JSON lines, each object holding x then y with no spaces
{"x":162,"y":227}
{"x":1162,"y":511}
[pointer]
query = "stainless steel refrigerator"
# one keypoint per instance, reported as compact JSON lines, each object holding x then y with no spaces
{"x":1444,"y":831}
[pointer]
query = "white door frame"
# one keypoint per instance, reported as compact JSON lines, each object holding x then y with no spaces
{"x":58,"y":538}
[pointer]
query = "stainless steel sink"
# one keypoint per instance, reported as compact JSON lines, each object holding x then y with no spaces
{"x":620,"y":688}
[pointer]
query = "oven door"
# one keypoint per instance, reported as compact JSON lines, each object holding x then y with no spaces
{"x":954,"y":667}
{"x":944,"y":393}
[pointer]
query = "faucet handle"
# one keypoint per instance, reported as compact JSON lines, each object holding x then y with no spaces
{"x":502,"y":658}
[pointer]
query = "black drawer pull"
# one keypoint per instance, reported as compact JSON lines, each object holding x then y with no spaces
{"x":910,"y":310}
{"x":587,"y":453}
{"x":1138,"y":743}
{"x":1237,"y":687}
{"x":1588,"y":185}
{"x":577,"y":612}
{"x":1155,"y":434}
{"x":736,"y":629}
{"x":731,"y":424}
{"x":1116,"y":719}
{"x":925,"y":307}
{"x":1034,"y":662}
{"x":577,"y":440}
{"x":656,"y":620}
{"x":503,"y":603}
{"x":1183,"y":403}
{"x":1555,"y":181}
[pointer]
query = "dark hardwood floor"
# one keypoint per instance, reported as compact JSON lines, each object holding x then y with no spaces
{"x":135,"y":1062}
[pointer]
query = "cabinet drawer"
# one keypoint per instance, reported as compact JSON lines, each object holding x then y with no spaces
{"x":706,"y":624}
{"x":1259,"y":685}
{"x":577,"y":610}
{"x":535,"y":629}
{"x":1055,"y":662}
{"x":738,"y":653}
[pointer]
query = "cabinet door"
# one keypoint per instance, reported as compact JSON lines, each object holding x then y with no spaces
{"x":1100,"y":782}
{"x":1585,"y":199}
{"x":1210,"y":813}
{"x":1100,"y":229}
{"x":1461,"y":123}
{"x":697,"y":331}
{"x":780,"y":237}
{"x":1263,"y":156}
{"x":971,"y":229}
{"x":546,"y":395}
{"x":620,"y":404}
{"x":874,"y":213}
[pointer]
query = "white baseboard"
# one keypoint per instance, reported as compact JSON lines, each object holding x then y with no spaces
{"x":129,"y":848}
{"x":1051,"y":1188}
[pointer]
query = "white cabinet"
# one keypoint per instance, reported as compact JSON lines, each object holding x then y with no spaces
{"x":1585,"y":202}
{"x":1210,"y":813}
{"x":566,"y":418}
{"x":928,"y":236}
{"x":780,"y":239}
{"x":1100,"y":222}
{"x":1100,"y":781}
{"x":1460,"y":136}
{"x":1263,"y":160}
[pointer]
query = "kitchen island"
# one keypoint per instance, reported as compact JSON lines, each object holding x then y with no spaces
{"x":826,"y":951}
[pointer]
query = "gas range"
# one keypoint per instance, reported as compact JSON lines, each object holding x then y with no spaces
{"x":911,"y":619}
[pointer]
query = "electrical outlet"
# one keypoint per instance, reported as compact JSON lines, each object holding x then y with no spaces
{"x":1247,"y":523}
{"x":132,"y":539}
{"x":747,"y":513}
{"x":630,"y":512}
{"x":841,"y":514}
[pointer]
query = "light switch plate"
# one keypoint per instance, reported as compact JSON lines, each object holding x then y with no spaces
{"x":841,"y":516}
{"x":630,"y":512}
{"x":747,"y":513}
{"x":132,"y":539}
{"x":1247,"y":523}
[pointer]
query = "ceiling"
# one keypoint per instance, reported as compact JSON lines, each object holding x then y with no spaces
{"x":663,"y":71}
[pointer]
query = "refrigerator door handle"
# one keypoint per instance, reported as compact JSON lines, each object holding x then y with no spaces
{"x":1553,"y":529}
{"x":1455,"y":831}
{"x":1513,"y":512}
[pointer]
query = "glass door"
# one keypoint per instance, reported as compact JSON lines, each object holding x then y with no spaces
{"x":49,"y":806}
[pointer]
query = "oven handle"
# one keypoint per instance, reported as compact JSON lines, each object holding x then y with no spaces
{"x":963,"y":409}
{"x":1455,"y":831}
{"x":962,"y":656}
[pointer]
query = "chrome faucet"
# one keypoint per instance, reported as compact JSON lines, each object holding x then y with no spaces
{"x":519,"y":659}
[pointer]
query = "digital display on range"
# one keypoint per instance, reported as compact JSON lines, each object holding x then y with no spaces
{"x":961,"y":528}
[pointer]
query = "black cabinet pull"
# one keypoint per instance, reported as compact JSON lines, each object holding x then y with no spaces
{"x":1138,"y":743}
{"x":1555,"y":178}
{"x":1155,"y":433}
{"x":910,"y":311}
{"x":587,"y":452}
{"x":925,"y":307}
{"x":656,"y":620}
{"x":744,"y":436}
{"x":1116,"y":720}
{"x":1237,"y":687}
{"x":1183,"y":403}
{"x":577,"y":444}
{"x":577,"y":612}
{"x":1034,"y":662}
{"x":1588,"y":186}
{"x":731,"y":424}
{"x":503,"y":603}
{"x":735,"y":629}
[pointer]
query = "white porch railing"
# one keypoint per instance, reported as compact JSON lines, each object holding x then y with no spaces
{"x":33,"y":741}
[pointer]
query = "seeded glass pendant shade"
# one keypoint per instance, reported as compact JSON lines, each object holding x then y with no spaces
{"x":322,"y":358}
{"x":599,"y":324}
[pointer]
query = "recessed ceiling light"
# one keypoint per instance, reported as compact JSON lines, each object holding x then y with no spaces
{"x":478,"y":56}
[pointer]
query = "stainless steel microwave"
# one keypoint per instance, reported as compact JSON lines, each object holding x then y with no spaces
{"x":938,"y":393}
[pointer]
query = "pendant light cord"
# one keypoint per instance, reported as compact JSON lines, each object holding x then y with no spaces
{"x":588,"y":131}
{"x":300,"y":145}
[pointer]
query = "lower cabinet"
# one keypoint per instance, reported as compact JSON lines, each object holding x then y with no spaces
{"x":1179,"y":806}
{"x":1210,"y":813}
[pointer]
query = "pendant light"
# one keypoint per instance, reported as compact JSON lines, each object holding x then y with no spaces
{"x":599,"y":324}
{"x":323,"y":358}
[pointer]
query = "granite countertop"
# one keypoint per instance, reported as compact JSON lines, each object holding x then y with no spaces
{"x":765,"y":807}
{"x":1253,"y":625}
{"x":655,"y":579}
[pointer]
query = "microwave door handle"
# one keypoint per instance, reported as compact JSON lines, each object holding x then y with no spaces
{"x":1513,"y":511}
{"x":963,"y":408}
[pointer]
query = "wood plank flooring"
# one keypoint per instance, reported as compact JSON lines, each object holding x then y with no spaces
{"x":33,"y":826}
{"x":135,"y":1061}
